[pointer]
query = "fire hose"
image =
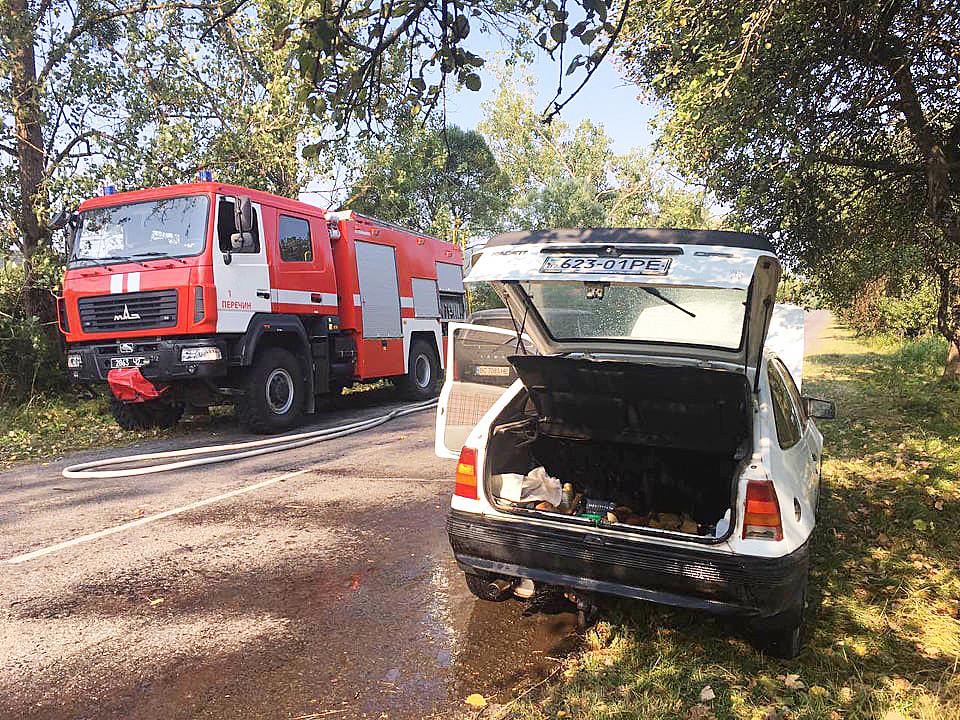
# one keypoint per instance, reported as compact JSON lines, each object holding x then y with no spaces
{"x":231,"y":451}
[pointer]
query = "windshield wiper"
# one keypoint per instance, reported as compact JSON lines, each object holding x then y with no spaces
{"x":155,"y":254}
{"x":663,"y":298}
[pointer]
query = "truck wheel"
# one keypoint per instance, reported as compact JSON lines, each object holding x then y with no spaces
{"x":423,"y":370}
{"x":274,"y":393}
{"x":146,"y":415}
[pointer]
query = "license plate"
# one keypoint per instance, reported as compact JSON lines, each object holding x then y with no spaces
{"x":607,"y":266}
{"x":492,"y":371}
{"x":127,"y":362}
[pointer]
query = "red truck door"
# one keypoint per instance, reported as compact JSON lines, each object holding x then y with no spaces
{"x":301,"y":267}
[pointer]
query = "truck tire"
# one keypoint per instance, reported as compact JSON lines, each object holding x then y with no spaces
{"x":274,"y":393}
{"x":146,"y":415}
{"x":423,"y":371}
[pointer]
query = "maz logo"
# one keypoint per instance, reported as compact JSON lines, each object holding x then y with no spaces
{"x":127,"y":315}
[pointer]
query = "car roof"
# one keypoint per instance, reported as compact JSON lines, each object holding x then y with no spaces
{"x":652,"y":236}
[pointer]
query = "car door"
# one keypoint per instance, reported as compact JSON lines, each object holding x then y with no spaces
{"x":478,"y":374}
{"x":811,"y":435}
{"x":795,"y":467}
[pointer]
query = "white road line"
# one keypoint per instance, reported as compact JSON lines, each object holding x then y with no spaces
{"x":33,"y":555}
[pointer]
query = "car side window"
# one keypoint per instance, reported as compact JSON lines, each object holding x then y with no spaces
{"x":794,"y":392}
{"x":293,"y":237}
{"x":227,"y":226}
{"x":785,"y":415}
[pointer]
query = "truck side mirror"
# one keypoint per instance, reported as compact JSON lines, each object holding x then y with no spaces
{"x":243,"y":219}
{"x":820,"y":409}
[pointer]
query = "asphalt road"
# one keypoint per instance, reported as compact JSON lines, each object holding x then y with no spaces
{"x":330,"y":592}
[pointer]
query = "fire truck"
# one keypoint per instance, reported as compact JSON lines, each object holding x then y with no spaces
{"x":206,"y":293}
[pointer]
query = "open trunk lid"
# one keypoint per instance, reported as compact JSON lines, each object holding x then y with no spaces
{"x":693,"y":294}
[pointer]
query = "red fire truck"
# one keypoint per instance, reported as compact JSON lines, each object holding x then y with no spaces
{"x":205,"y":293}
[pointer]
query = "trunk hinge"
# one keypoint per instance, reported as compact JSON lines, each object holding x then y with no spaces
{"x":766,"y":326}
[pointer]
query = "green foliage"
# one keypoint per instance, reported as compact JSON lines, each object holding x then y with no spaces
{"x":903,"y":310}
{"x":798,"y":291}
{"x":444,"y":182}
{"x":360,"y":60}
{"x":829,"y":125}
{"x":565,"y":177}
{"x":30,"y":357}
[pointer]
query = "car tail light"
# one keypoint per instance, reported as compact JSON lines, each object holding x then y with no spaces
{"x":761,"y":517}
{"x":466,"y":486}
{"x":198,"y":304}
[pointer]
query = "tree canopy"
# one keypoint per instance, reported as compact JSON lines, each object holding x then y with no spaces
{"x":833,"y":126}
{"x":438,"y":180}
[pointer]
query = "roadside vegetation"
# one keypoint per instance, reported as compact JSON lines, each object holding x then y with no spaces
{"x":882,"y":635}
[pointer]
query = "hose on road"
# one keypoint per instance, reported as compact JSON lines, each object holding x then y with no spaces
{"x":231,"y":451}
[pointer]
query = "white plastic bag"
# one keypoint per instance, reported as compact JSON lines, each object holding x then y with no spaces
{"x":535,"y":486}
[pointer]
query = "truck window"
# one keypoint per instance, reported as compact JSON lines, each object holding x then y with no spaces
{"x":293,"y":236}
{"x":226,"y":226}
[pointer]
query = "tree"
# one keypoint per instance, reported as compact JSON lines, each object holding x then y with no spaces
{"x":143,"y":93}
{"x":572,"y":178}
{"x":440,"y":181}
{"x":358,"y":57}
{"x":833,"y":126}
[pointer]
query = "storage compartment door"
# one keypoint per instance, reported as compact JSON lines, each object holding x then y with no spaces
{"x":379,"y":291}
{"x":478,"y":374}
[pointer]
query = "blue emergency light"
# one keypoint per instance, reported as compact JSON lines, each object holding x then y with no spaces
{"x":108,"y":189}
{"x":204,"y":175}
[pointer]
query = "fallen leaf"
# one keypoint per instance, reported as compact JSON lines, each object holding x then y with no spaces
{"x":701,"y":712}
{"x":938,"y":504}
{"x":792,"y":681}
{"x":476,"y":701}
{"x":882,"y":539}
{"x":156,"y":601}
{"x":707,"y":694}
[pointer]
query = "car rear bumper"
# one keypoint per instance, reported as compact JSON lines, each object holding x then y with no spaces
{"x":743,"y":586}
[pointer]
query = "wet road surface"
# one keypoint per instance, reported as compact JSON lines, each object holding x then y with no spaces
{"x":332,"y":593}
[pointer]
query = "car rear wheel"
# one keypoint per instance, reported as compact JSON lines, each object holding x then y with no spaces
{"x":423,"y":371}
{"x":146,"y":415}
{"x":274,"y":393}
{"x":781,"y":636}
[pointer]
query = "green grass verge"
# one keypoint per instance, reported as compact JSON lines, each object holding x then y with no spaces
{"x":882,"y":638}
{"x":50,"y":426}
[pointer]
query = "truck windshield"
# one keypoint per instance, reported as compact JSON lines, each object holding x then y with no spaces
{"x":174,"y":227}
{"x":647,"y":313}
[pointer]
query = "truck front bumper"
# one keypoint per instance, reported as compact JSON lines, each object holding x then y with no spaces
{"x":744,"y":586}
{"x":162,"y":359}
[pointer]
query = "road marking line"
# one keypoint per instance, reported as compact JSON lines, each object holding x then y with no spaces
{"x":33,"y":555}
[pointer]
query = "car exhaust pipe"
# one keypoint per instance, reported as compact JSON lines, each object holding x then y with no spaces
{"x":500,"y":587}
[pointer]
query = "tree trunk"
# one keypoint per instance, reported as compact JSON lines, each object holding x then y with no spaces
{"x":951,"y":370}
{"x":30,"y":149}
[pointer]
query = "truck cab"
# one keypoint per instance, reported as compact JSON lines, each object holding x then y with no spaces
{"x":205,"y":293}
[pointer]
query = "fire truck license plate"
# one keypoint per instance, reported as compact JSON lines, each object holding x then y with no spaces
{"x":127,"y":362}
{"x":611,"y":266}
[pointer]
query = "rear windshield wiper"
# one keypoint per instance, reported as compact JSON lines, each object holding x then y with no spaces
{"x":663,"y":298}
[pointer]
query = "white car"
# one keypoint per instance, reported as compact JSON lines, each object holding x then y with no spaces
{"x":633,"y":434}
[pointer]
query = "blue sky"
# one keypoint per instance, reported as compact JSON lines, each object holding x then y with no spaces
{"x":607,"y":100}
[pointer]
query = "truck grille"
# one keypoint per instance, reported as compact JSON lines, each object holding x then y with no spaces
{"x":129,"y":311}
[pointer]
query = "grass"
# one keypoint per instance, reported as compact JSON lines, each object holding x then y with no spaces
{"x":51,"y":425}
{"x":56,"y":424}
{"x":883,"y":635}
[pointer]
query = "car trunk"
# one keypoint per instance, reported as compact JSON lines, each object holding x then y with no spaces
{"x":651,"y":448}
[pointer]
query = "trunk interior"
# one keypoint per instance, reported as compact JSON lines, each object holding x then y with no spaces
{"x":643,"y":447}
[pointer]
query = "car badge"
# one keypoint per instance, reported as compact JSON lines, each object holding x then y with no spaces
{"x":127,"y":315}
{"x":126,"y":348}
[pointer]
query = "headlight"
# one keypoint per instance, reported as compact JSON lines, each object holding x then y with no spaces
{"x":200,"y":354}
{"x":74,"y":360}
